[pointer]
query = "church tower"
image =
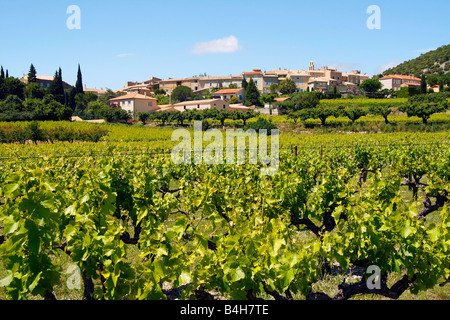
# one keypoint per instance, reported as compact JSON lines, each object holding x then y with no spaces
{"x":311,"y":66}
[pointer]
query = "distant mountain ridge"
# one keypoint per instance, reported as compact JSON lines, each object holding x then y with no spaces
{"x":432,"y":63}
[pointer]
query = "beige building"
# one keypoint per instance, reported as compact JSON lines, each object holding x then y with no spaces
{"x":44,"y":81}
{"x":211,"y":82}
{"x":201,"y":105}
{"x":135,"y":103}
{"x":228,"y":94}
{"x":396,"y":81}
{"x":99,"y":92}
{"x":200,"y":83}
{"x":321,"y":79}
{"x":145,"y":87}
{"x":257,"y":76}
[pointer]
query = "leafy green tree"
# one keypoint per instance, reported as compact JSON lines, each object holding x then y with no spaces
{"x":116,"y":115}
{"x":182,"y":93}
{"x":302,"y":100}
{"x":245,"y":115}
{"x":223,"y":115}
{"x":262,"y":123}
{"x":143,"y":117}
{"x":252,"y":94}
{"x":371,"y":85}
{"x":351,"y":112}
{"x":423,"y":106}
{"x":32,"y":75}
{"x":12,"y":86}
{"x":273,"y":89}
{"x":96,"y":109}
{"x":34,"y":91}
{"x":162,"y":116}
{"x":11,"y":103}
{"x":321,"y":112}
{"x":287,"y":86}
{"x":383,"y":110}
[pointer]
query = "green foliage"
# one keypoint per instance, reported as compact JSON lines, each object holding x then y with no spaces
{"x":143,"y":117}
{"x":381,"y":110}
{"x":406,"y":92}
{"x":287,"y":86}
{"x":320,"y":112}
{"x":226,"y":228}
{"x":116,"y":115}
{"x":262,"y":123}
{"x":252,"y":94}
{"x":57,"y":88}
{"x":428,"y":64}
{"x":301,"y":100}
{"x":182,"y":93}
{"x":353,"y":113}
{"x":32,"y":75}
{"x":371,"y":85}
{"x":79,"y":82}
{"x":11,"y":86}
{"x":15,"y":132}
{"x":424,"y":106}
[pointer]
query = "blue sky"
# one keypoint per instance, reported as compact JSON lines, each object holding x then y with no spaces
{"x":133,"y":40}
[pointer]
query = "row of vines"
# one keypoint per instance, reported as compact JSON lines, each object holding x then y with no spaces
{"x":225,"y":231}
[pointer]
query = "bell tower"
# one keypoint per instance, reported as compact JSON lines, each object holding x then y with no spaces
{"x":311,"y":66}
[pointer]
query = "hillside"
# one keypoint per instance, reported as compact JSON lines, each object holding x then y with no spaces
{"x":433,"y":63}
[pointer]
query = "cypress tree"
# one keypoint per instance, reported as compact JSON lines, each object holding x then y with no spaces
{"x":79,"y":83}
{"x":252,"y":94}
{"x":56,"y":87}
{"x":423,"y":84}
{"x":244,"y":83}
{"x":32,"y":74}
{"x":2,"y":73}
{"x":7,"y":75}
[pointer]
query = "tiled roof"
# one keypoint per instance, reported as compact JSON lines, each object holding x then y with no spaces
{"x":228,"y":91}
{"x":400,"y":76}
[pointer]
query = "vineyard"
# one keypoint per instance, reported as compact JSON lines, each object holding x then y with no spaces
{"x":118,"y":220}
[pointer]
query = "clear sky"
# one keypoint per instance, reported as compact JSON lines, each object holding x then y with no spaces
{"x":132,"y":40}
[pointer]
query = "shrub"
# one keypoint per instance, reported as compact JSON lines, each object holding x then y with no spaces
{"x":262,"y":123}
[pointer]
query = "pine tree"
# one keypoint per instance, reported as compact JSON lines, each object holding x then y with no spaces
{"x":79,"y":83}
{"x":32,"y":74}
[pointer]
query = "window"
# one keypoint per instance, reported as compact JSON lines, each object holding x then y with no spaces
{"x":198,"y":106}
{"x":48,"y":85}
{"x":150,"y":104}
{"x":303,"y":83}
